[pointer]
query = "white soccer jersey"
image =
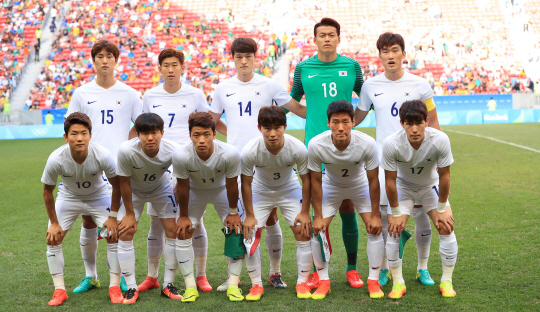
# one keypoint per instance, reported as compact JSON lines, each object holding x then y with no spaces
{"x":241,"y":102}
{"x":80,"y":182}
{"x":346,"y":168}
{"x":175,"y":109}
{"x":148,"y":175}
{"x":417,"y":168}
{"x":210,"y":174}
{"x":274,"y":172}
{"x":387,"y":97}
{"x":110,"y":110}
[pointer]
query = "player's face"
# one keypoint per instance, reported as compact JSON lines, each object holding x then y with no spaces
{"x":202,"y":138}
{"x":171,"y":70}
{"x":273,"y":135}
{"x":415,"y":131}
{"x":105,"y":63}
{"x":78,"y":138}
{"x":341,"y":125}
{"x":244,"y":62}
{"x":327,"y":39}
{"x":150,"y":140}
{"x":391,"y":57}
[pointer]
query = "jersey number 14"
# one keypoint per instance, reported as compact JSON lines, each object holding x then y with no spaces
{"x":247,"y":110}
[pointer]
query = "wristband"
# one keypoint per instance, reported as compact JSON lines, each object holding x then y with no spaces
{"x":113,"y":214}
{"x":441,"y":207}
{"x":396,"y":211}
{"x":233,"y":211}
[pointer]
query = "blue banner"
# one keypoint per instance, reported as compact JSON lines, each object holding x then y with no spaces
{"x":471,"y":102}
{"x":58,"y":115}
{"x":31,"y":132}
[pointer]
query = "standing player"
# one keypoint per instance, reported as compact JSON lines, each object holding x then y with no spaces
{"x":275,"y":184}
{"x":142,"y":166}
{"x":385,"y":93}
{"x":207,"y":172}
{"x":324,"y":78}
{"x":351,"y":168}
{"x":416,"y":161}
{"x":111,"y":106}
{"x":240,"y":98}
{"x":82,"y":191}
{"x":174,"y":101}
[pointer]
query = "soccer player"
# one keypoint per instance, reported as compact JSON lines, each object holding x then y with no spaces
{"x":207,"y":172}
{"x":82,"y":190}
{"x":111,"y":105}
{"x":411,"y":158}
{"x":351,"y":166}
{"x":385,"y":93}
{"x":324,"y":78}
{"x":174,"y":101}
{"x":240,"y":98}
{"x":268,"y":181}
{"x":142,"y":167}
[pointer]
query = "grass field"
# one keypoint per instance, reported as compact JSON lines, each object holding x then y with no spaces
{"x":495,"y":197}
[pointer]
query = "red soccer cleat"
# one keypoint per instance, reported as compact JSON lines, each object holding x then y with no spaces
{"x":313,"y":281}
{"x":116,"y":294}
{"x":202,"y":284}
{"x":374,"y":289}
{"x":148,"y":283}
{"x":59,"y":296}
{"x":322,"y":291}
{"x":354,"y":279}
{"x":171,"y":292}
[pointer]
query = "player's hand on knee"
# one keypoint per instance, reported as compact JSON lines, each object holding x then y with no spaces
{"x":112,"y":229}
{"x":318,"y":225}
{"x":54,"y":234}
{"x":249,"y":223}
{"x":446,"y":219}
{"x":183,"y":226}
{"x":127,"y":222}
{"x":395,"y":224}
{"x":375,"y":226}
{"x":234,"y":223}
{"x":305,"y":222}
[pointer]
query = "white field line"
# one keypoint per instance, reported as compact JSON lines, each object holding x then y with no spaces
{"x":496,"y":140}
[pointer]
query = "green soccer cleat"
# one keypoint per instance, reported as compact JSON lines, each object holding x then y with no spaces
{"x":384,"y":277}
{"x":234,"y":293}
{"x":424,"y":278}
{"x":86,"y":284}
{"x":447,"y":290}
{"x":190,"y":295}
{"x":123,"y":284}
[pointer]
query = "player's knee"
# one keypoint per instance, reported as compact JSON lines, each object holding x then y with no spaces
{"x":127,"y":235}
{"x":88,"y":222}
{"x":347,"y":206}
{"x":443,"y":230}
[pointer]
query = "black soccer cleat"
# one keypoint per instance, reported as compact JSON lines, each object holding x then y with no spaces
{"x":277,"y":282}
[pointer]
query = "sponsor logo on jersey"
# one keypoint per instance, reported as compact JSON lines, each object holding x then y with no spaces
{"x":183,"y":261}
{"x":193,"y":170}
{"x":184,"y":105}
{"x":343,"y":73}
{"x":258,"y":93}
{"x":311,"y":76}
{"x":260,"y":166}
{"x":137,"y":168}
{"x":230,"y":94}
{"x":399,"y":160}
{"x":108,"y":209}
{"x":119,"y":102}
{"x":377,"y":94}
{"x":67,"y":176}
{"x":91,"y":102}
{"x":154,"y":106}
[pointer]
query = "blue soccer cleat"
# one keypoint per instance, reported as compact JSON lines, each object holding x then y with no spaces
{"x":86,"y":284}
{"x":384,"y":277}
{"x":424,"y":278}
{"x":123,"y":284}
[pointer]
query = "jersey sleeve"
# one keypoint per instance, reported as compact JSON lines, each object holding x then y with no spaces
{"x":50,"y":174}
{"x":388,"y":159}
{"x":179,"y":162}
{"x":359,"y":81}
{"x":108,"y":164}
{"x":136,"y":106}
{"x":301,"y":159}
{"x":233,"y":163}
{"x":247,"y":161}
{"x":202,"y":105}
{"x":364,"y":101}
{"x":314,"y":161}
{"x":279,"y":94}
{"x":372,"y":156}
{"x":430,"y":104}
{"x":217,"y":101}
{"x":74,"y":105}
{"x":124,"y":164}
{"x":146,"y":105}
{"x":297,"y":90}
{"x":445,"y":158}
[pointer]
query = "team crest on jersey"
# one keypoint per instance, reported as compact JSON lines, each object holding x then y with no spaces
{"x":217,"y":170}
{"x":119,"y":102}
{"x":184,"y":105}
{"x":258,"y":93}
{"x":407,"y":93}
{"x":343,"y":73}
{"x":163,"y":168}
{"x":93,"y":174}
{"x":356,"y":162}
{"x":429,"y":159}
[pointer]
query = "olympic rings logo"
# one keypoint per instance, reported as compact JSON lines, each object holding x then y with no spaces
{"x":40,"y":131}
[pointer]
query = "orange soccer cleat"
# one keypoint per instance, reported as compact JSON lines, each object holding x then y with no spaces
{"x":303,"y":291}
{"x":202,"y":284}
{"x":171,"y":292}
{"x":374,"y":289}
{"x":354,"y":279}
{"x":313,"y":281}
{"x":59,"y":296}
{"x":115,"y":293}
{"x":322,"y":291}
{"x":148,"y":283}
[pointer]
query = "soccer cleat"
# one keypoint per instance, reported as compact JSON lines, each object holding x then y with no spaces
{"x":398,"y":290}
{"x":447,"y":289}
{"x":313,"y":280}
{"x":303,"y":291}
{"x":190,"y":295}
{"x":59,"y":296}
{"x":234,"y":293}
{"x":255,"y":293}
{"x":384,"y":277}
{"x":225,"y":285}
{"x":424,"y":277}
{"x":374,"y":289}
{"x":123,"y":284}
{"x":322,"y":291}
{"x":86,"y":284}
{"x":116,"y":294}
{"x":148,"y":283}
{"x":171,"y":292}
{"x":277,"y":282}
{"x":132,"y":295}
{"x":354,"y":279}
{"x":202,"y":284}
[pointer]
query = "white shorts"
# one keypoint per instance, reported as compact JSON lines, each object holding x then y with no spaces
{"x":333,"y":196}
{"x":164,"y":206}
{"x":288,"y":200}
{"x":68,"y":211}
{"x":428,"y":197}
{"x":149,"y":209}
{"x":199,"y":199}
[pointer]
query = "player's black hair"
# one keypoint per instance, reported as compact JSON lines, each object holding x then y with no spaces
{"x":272,"y":116}
{"x":243,"y":45}
{"x":77,"y":118}
{"x":327,"y":21}
{"x":414,"y":111}
{"x":147,"y":122}
{"x":108,"y":46}
{"x":201,"y":119}
{"x":389,"y":39}
{"x":340,"y":106}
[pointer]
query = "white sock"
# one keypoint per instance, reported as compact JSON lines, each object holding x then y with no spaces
{"x":422,"y":236}
{"x":235,"y":268}
{"x":395,"y":263}
{"x":274,"y":244}
{"x":171,"y":264}
{"x":384,"y":234}
{"x":185,"y":257}
{"x":155,"y":243}
{"x":55,"y":258}
{"x":200,"y":248}
{"x":89,"y":246}
{"x":114,"y":265}
{"x":303,"y":259}
{"x":375,"y":250}
{"x":448,"y":248}
{"x":322,"y":267}
{"x":126,"y":258}
{"x":253,"y":265}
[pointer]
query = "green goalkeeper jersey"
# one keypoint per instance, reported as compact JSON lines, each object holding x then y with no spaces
{"x":323,"y":83}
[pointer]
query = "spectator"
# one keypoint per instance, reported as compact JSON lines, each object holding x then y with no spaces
{"x":49,"y":118}
{"x":7,"y":111}
{"x":36,"y":52}
{"x":492,"y":105}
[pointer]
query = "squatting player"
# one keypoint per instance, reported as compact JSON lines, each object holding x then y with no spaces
{"x":324,"y":78}
{"x":268,"y":181}
{"x":240,"y":98}
{"x":82,"y":190}
{"x":207,"y":172}
{"x":410,"y":160}
{"x":351,"y":172}
{"x":142,"y":167}
{"x":385,"y":93}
